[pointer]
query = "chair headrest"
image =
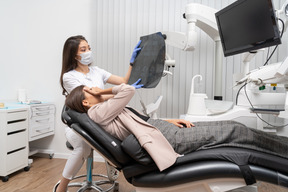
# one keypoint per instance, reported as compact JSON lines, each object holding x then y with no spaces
{"x":66,"y":119}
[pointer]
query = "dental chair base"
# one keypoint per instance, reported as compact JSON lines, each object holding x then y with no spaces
{"x":96,"y":185}
{"x":103,"y":180}
{"x":223,"y":168}
{"x":209,"y":185}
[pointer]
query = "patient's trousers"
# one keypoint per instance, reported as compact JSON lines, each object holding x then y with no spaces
{"x":206,"y":135}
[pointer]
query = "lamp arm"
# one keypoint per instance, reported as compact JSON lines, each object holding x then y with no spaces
{"x":196,"y":15}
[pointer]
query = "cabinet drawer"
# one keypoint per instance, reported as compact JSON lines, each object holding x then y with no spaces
{"x":17,"y":140}
{"x":43,"y":128}
{"x":17,"y":120}
{"x":46,"y":129}
{"x":17,"y":160}
{"x":42,"y":110}
{"x":41,"y":121}
{"x":17,"y":125}
{"x":16,"y":115}
{"x":42,"y":113}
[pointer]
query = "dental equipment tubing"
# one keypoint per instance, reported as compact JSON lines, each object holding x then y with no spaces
{"x":270,"y":74}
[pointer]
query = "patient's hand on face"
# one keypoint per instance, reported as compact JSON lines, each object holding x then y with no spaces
{"x":93,"y":90}
{"x":181,"y":123}
{"x":96,"y":91}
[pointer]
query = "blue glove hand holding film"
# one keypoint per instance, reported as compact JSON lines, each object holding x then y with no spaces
{"x":137,"y":85}
{"x":135,"y":53}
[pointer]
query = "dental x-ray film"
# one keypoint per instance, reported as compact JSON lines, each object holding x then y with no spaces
{"x":149,"y":63}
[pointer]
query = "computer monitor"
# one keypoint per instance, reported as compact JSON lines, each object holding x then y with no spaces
{"x":247,"y":25}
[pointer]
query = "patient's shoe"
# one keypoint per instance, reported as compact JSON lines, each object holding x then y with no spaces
{"x":112,"y":172}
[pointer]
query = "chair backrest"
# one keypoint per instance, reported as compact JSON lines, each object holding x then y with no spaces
{"x":107,"y":145}
{"x":66,"y":119}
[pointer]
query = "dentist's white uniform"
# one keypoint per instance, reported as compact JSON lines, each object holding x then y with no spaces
{"x":95,"y":78}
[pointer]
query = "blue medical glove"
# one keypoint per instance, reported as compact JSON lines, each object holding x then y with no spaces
{"x":136,"y":84}
{"x":135,"y":53}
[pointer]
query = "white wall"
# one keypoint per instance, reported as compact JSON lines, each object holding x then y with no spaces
{"x":33,"y":33}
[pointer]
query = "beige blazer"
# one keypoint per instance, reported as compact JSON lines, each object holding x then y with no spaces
{"x":120,"y":122}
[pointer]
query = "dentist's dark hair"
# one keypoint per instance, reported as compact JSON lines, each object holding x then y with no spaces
{"x":75,"y":98}
{"x":69,"y":61}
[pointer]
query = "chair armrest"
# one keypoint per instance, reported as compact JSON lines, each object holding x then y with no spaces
{"x":133,"y":148}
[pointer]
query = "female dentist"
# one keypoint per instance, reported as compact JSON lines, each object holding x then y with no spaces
{"x":76,"y":70}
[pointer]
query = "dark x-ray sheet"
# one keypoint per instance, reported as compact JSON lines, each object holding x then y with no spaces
{"x":149,"y":63}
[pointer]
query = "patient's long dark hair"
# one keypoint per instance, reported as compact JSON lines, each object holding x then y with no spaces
{"x":75,"y":98}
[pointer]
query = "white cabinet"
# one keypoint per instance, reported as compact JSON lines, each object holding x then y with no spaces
{"x":41,"y":125}
{"x":13,"y":140}
{"x":42,"y":118}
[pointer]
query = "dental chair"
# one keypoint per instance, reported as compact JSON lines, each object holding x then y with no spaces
{"x":212,"y":170}
{"x":89,"y":183}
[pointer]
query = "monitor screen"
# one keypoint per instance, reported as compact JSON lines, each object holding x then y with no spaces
{"x":247,"y":25}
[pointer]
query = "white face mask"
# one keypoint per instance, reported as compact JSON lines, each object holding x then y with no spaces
{"x":86,"y":58}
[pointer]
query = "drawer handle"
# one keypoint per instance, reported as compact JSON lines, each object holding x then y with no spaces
{"x":16,"y":112}
{"x":42,"y":129}
{"x":43,"y":121}
{"x":42,"y":114}
{"x":15,"y":132}
{"x":42,"y":108}
{"x":16,"y":121}
{"x":14,"y":151}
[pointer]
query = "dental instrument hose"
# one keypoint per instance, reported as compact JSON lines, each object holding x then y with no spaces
{"x":275,"y":126}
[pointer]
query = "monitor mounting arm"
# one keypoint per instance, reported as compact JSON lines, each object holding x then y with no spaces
{"x":204,"y":18}
{"x":196,"y":15}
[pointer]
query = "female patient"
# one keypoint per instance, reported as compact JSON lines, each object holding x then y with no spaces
{"x":120,"y":121}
